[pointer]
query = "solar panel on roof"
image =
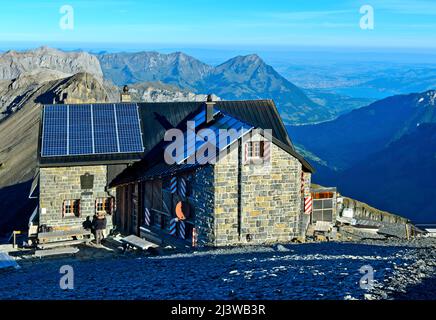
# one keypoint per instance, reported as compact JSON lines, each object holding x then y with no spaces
{"x":80,"y":130}
{"x":222,"y":141}
{"x":105,"y":130}
{"x":200,"y":118}
{"x":55,"y":131}
{"x":127,"y":118}
{"x":90,"y":129}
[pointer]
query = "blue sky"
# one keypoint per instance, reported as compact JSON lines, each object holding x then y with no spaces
{"x":223,"y":23}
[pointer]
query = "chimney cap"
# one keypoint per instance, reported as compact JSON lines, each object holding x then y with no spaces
{"x":125,"y":95}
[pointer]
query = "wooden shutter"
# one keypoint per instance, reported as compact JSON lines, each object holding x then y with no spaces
{"x":112,"y":205}
{"x":266,"y":151}
{"x":245,"y":157}
{"x":262,"y":149}
{"x":64,"y":208}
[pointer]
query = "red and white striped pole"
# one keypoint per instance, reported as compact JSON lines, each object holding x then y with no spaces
{"x":194,"y":237}
{"x":308,"y":204}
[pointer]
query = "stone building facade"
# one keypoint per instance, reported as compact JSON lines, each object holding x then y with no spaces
{"x":235,"y":202}
{"x":61,"y":184}
{"x":270,"y":196}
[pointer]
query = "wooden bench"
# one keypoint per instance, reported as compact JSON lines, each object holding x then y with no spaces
{"x":53,"y":236}
{"x":54,"y":252}
{"x":133,"y":241}
{"x":57,"y":244}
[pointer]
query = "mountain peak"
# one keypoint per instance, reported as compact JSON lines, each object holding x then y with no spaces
{"x":180,"y":54}
{"x":240,"y":63}
{"x":250,"y":58}
{"x":183,"y":56}
{"x":46,"y":49}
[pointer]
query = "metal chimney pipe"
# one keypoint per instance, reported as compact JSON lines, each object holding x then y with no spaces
{"x":125,"y":95}
{"x":209,"y":108}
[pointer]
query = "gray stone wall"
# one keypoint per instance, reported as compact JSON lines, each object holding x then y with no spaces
{"x":226,"y":200}
{"x":202,"y":200}
{"x":307,"y":182}
{"x":270,"y":201}
{"x":59,"y":184}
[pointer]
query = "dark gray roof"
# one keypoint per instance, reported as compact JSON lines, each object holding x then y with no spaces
{"x":87,"y":160}
{"x":260,"y":113}
{"x":157,"y":117}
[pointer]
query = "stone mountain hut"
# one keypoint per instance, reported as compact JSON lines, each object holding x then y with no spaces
{"x":246,"y":188}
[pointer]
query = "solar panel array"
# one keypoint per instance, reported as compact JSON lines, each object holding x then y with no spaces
{"x":233,"y":129}
{"x":70,"y":130}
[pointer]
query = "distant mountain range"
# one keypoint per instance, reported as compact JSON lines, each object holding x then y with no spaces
{"x":14,"y":64}
{"x":383,"y":153}
{"x":22,"y":73}
{"x":177,"y":68}
{"x":243,"y":77}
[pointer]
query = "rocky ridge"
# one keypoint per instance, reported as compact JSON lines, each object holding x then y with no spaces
{"x":14,"y":63}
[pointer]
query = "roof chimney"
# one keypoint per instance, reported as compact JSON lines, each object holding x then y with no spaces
{"x":209,"y":108}
{"x":125,"y":95}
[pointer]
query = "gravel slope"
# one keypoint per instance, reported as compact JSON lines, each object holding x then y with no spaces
{"x":307,"y":271}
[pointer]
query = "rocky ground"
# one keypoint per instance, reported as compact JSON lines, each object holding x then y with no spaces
{"x":303,"y":271}
{"x":415,"y":280}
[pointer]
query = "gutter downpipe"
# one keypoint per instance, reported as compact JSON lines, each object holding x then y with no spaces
{"x":239,"y":189}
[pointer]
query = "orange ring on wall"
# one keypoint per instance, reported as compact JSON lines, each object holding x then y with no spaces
{"x":182,"y":210}
{"x":179,"y":211}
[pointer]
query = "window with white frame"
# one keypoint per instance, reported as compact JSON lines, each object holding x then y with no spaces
{"x":104,"y":205}
{"x":71,"y":208}
{"x":255,"y":149}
